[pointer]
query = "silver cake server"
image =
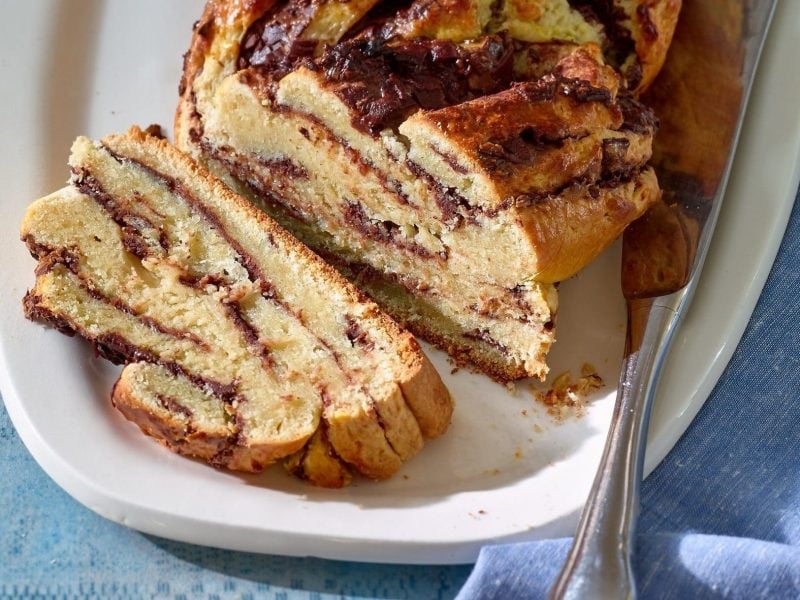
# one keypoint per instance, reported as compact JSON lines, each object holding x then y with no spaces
{"x":700,"y":98}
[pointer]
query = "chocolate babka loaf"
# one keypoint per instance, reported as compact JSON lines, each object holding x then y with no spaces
{"x":241,"y":346}
{"x":455,"y":159}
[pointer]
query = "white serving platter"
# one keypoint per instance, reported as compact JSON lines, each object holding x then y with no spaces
{"x":505,"y":471}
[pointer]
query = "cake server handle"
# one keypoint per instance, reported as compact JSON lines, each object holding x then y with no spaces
{"x":599,"y":564}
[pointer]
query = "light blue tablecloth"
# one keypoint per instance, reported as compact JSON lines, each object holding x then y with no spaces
{"x":720,"y":517}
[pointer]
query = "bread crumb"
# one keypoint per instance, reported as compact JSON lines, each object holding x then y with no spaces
{"x":566,"y":397}
{"x":454,"y":370}
{"x":155,"y":130}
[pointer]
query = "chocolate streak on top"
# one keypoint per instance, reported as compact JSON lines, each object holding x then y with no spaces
{"x":522,"y":148}
{"x":273,"y":42}
{"x":385,"y":81}
{"x":455,"y":208}
{"x":637,"y":117}
{"x":254,"y":271}
{"x":545,"y":89}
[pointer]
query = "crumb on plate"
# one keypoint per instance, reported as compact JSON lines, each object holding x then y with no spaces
{"x":565,"y":397}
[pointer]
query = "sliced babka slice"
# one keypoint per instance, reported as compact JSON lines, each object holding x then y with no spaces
{"x":193,"y":421}
{"x":257,"y":342}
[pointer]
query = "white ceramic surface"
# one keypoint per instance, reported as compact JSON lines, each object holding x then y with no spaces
{"x":505,"y":471}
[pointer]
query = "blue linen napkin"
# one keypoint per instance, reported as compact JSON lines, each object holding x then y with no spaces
{"x":720,"y":516}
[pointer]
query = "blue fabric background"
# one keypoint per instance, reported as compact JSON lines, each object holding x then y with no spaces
{"x":720,"y":517}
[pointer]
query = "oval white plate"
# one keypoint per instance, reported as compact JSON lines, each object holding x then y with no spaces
{"x":505,"y":471}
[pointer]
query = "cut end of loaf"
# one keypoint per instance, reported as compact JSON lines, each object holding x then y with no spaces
{"x":455,"y":159}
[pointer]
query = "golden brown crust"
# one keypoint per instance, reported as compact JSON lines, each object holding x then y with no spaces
{"x":598,"y":216}
{"x":522,"y":145}
{"x":433,"y":419}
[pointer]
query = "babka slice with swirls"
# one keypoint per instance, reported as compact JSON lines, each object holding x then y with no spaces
{"x":457,"y":159}
{"x":243,"y":346}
